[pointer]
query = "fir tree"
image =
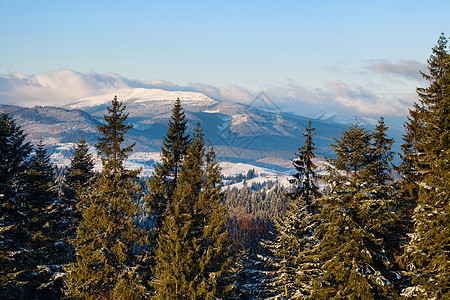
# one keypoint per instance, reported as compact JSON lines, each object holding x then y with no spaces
{"x":192,"y":256}
{"x":107,"y":237}
{"x":14,"y":238}
{"x":382,"y":155}
{"x":408,"y":187}
{"x":215,"y":259}
{"x":304,"y":181}
{"x":35,"y":253}
{"x":80,"y":170}
{"x":165,"y":177}
{"x":407,"y":193}
{"x":355,"y":216}
{"x":14,"y":153}
{"x":351,"y":166}
{"x":49,"y":243}
{"x":427,"y":255}
{"x":109,"y":145}
{"x":294,"y":246}
{"x":78,"y":176}
{"x":178,"y":244}
{"x":41,"y":177}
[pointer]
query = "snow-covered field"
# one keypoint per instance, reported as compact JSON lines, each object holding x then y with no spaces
{"x":147,"y":160}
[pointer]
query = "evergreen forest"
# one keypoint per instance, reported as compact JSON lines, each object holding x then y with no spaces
{"x":365,"y":229}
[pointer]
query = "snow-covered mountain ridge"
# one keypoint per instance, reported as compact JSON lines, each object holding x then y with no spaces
{"x":240,"y":134}
{"x":142,"y":95}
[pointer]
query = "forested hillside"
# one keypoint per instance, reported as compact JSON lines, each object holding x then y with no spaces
{"x":74,"y":233}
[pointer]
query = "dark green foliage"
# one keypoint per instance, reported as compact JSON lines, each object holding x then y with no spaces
{"x":304,"y":181}
{"x":215,"y":260}
{"x":165,"y":177}
{"x":31,"y":253}
{"x":14,"y":152}
{"x":350,"y":171}
{"x":80,"y":170}
{"x":14,"y":213}
{"x":109,"y":145}
{"x":382,"y":155}
{"x":427,"y":159}
{"x":355,"y":217}
{"x":40,"y":176}
{"x":78,"y":176}
{"x":192,"y":255}
{"x":48,"y":239}
{"x":107,"y":236}
{"x":294,"y":246}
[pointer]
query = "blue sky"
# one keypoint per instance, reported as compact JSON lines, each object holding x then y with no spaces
{"x":360,"y":56}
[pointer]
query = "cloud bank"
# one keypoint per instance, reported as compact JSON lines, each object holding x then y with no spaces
{"x":405,"y":68}
{"x":62,"y":87}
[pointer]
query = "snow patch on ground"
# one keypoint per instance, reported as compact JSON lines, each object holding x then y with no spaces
{"x":232,"y":169}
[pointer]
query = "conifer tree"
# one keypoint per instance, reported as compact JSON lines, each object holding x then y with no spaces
{"x":304,"y":180}
{"x":80,"y":170}
{"x":41,"y":177}
{"x":192,"y":254}
{"x":355,"y":216}
{"x":34,"y":253}
{"x":382,"y":155}
{"x":215,"y":259}
{"x":408,"y":186}
{"x":294,"y":246}
{"x":79,"y":174}
{"x":427,"y":254}
{"x":48,"y":241}
{"x":107,"y":237}
{"x":14,"y":152}
{"x":165,"y":177}
{"x":75,"y":183}
{"x":14,"y":239}
{"x":177,"y":254}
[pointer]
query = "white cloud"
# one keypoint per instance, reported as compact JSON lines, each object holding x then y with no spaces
{"x":66,"y":86}
{"x":406,"y":68}
{"x":232,"y":93}
{"x":55,"y":88}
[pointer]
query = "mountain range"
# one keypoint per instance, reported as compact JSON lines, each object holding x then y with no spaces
{"x":259,"y":134}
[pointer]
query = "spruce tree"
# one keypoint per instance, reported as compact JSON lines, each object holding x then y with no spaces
{"x":304,"y":181}
{"x":382,"y":155}
{"x":407,"y":193}
{"x":165,"y":176}
{"x":35,"y":254}
{"x":78,"y":175}
{"x":80,"y":170}
{"x":14,"y":153}
{"x":48,"y":240}
{"x":355,"y":216}
{"x":107,"y":237}
{"x":178,"y":243}
{"x":410,"y":176}
{"x":427,"y":255}
{"x":14,"y":238}
{"x":294,"y":246}
{"x":41,"y":177}
{"x":192,"y":255}
{"x":215,"y":255}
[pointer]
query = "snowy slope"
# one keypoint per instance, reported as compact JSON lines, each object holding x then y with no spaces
{"x":141,"y":95}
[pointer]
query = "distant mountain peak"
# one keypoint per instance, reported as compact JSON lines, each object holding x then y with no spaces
{"x":142,"y":95}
